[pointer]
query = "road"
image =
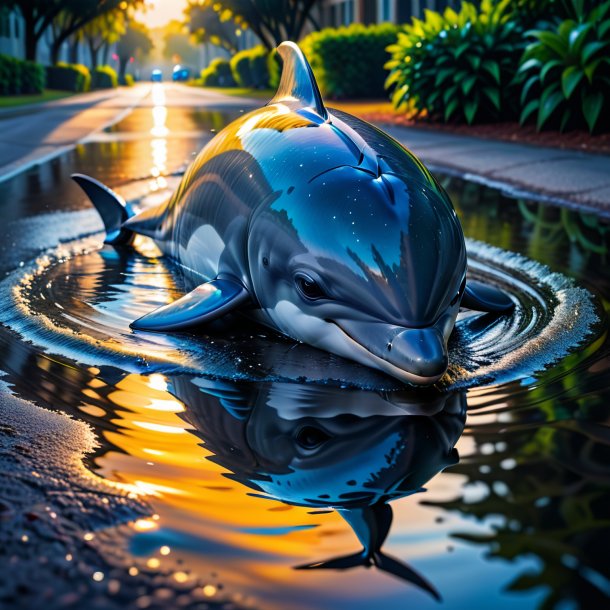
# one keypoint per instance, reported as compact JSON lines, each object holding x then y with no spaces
{"x":35,"y":134}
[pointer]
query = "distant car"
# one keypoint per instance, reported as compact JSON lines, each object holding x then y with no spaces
{"x":156,"y":76}
{"x":180,"y":73}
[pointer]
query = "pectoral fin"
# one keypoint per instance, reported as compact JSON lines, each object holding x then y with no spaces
{"x":482,"y":297}
{"x":203,"y":304}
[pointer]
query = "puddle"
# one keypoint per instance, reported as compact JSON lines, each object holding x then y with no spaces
{"x":77,"y":301}
{"x":253,"y":473}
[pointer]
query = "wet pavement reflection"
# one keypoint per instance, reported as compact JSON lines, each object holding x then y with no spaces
{"x":491,"y":497}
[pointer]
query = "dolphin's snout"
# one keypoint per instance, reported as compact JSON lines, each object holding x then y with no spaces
{"x":420,"y":351}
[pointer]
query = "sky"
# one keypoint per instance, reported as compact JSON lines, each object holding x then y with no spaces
{"x":159,"y":12}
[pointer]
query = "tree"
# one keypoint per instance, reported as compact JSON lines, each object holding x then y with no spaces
{"x":177,"y":46}
{"x":209,"y":26}
{"x":273,"y":21}
{"x":38,"y":15}
{"x":77,"y":14}
{"x":104,"y":30}
{"x":136,"y":40}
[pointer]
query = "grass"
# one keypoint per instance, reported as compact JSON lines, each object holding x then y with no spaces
{"x":259,"y":94}
{"x":48,"y":95}
{"x":357,"y":107}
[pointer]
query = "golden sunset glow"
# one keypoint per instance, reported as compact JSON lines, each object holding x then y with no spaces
{"x":159,"y":12}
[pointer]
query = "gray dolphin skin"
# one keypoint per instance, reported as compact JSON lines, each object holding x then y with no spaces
{"x":318,"y":225}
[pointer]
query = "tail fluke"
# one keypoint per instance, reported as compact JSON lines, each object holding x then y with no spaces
{"x":380,"y":560}
{"x":338,"y":563}
{"x":401,"y":570}
{"x":110,"y":206}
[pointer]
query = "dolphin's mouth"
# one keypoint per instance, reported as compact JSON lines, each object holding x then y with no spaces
{"x":365,"y":356}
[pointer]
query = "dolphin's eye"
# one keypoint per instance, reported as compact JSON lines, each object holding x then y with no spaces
{"x":308,"y":287}
{"x":309,"y":437}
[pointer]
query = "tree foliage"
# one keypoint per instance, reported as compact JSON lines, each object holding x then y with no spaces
{"x":104,"y":30}
{"x":273,"y":21}
{"x":177,"y":45}
{"x":136,"y":41}
{"x":69,"y":15}
{"x":210,"y":26}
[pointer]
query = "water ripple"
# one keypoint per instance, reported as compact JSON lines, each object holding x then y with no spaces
{"x":78,"y":299}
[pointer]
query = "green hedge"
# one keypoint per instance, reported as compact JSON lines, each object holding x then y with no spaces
{"x":68,"y":77}
{"x":459,"y":66}
{"x":104,"y":77}
{"x":240,"y":68}
{"x":274,"y":68}
{"x":348,"y":61}
{"x":259,"y":72}
{"x":20,"y":77}
{"x":218,"y":74}
{"x":249,"y":68}
{"x":33,"y":77}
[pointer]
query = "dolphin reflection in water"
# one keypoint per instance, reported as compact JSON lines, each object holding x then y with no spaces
{"x":325,"y":447}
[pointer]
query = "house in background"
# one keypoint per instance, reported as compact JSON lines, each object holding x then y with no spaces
{"x":11,"y":33}
{"x":12,"y":41}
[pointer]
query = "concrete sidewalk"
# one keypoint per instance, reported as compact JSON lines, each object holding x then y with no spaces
{"x":566,"y":177}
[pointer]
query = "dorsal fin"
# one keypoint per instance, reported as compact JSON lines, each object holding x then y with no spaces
{"x":298,"y":83}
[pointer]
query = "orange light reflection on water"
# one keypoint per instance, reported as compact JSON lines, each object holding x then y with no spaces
{"x":157,"y":454}
{"x":162,"y":458}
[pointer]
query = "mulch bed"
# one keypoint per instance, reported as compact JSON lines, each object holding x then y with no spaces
{"x":512,"y":132}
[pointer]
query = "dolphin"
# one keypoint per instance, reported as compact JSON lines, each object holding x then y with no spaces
{"x":317,"y":224}
{"x":323,"y":447}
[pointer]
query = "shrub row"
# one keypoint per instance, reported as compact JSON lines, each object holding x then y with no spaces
{"x":104,"y":77}
{"x":20,"y":77}
{"x":218,"y":74}
{"x":348,"y":61}
{"x":480,"y":65}
{"x":249,"y":68}
{"x":69,"y":77}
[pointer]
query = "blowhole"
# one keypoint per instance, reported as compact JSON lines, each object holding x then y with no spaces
{"x":265,"y":261}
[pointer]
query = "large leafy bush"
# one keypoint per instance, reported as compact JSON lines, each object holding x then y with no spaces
{"x":565,"y":71}
{"x":348,"y":61}
{"x":218,"y":74}
{"x":458,"y":66}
